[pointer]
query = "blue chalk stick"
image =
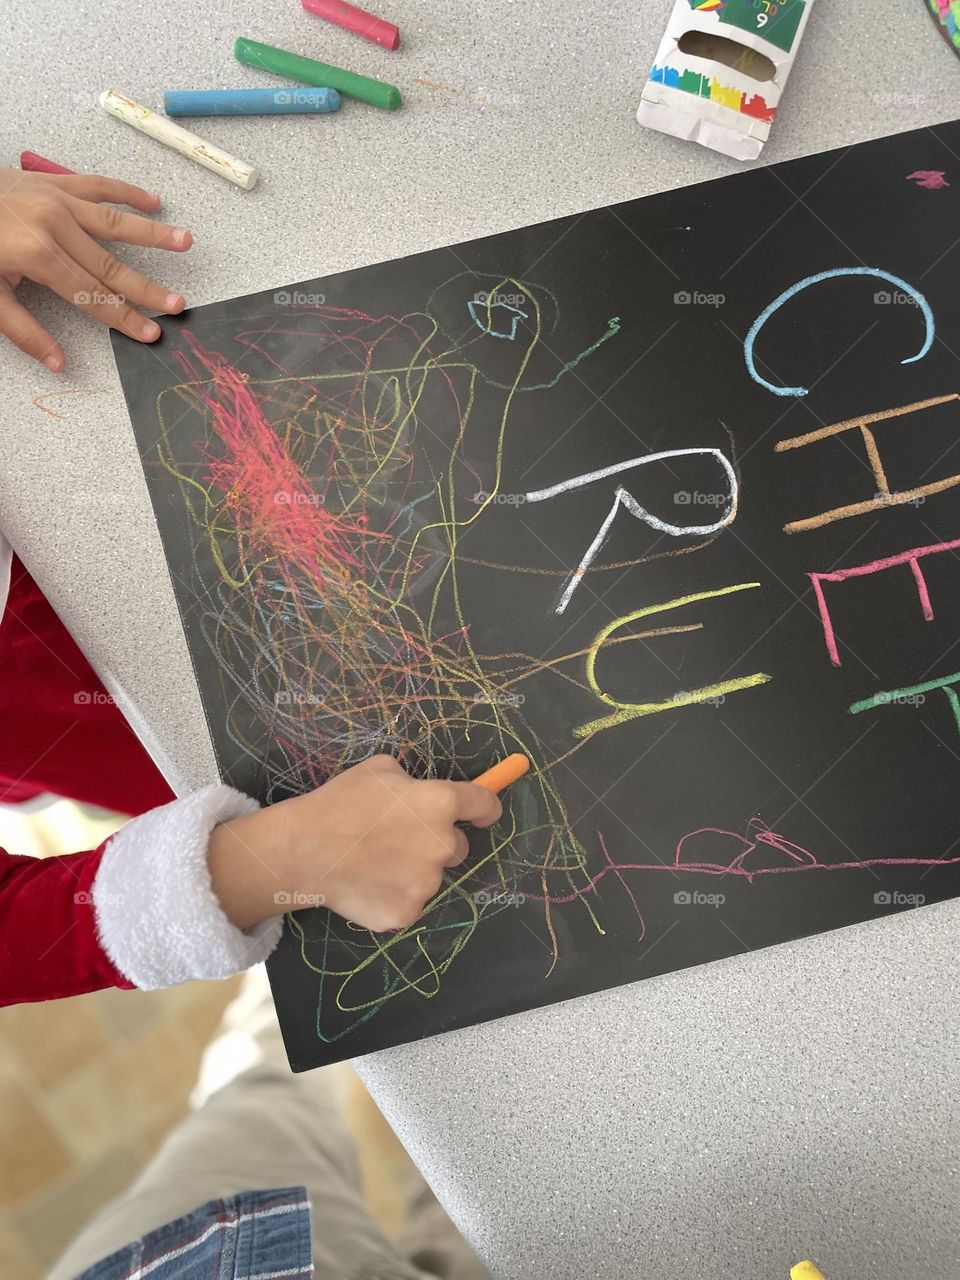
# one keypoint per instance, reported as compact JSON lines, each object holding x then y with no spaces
{"x":288,"y":99}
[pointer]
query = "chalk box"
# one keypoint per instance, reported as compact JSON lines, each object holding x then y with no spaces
{"x":720,"y":71}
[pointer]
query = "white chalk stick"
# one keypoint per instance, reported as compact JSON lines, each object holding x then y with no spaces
{"x":180,"y":139}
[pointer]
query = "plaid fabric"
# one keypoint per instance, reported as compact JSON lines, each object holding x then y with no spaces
{"x":257,"y":1235}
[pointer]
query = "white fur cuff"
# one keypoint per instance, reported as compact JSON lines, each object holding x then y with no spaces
{"x":158,"y":918}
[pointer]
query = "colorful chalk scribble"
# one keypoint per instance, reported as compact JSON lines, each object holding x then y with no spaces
{"x":336,"y":518}
{"x":335,"y":559}
{"x":929,"y":179}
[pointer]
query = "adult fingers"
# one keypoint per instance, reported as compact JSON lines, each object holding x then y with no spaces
{"x":17,"y":324}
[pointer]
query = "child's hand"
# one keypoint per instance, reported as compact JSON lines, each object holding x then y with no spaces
{"x":49,"y":228}
{"x":371,"y":844}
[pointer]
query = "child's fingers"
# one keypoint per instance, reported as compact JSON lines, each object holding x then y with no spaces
{"x":106,"y":223}
{"x":380,"y":764}
{"x":91,"y":295}
{"x":89,"y":186}
{"x":17,"y":324}
{"x":461,"y":847}
{"x":125,"y":284}
{"x":475,"y":804}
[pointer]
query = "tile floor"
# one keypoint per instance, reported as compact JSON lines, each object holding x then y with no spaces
{"x":90,"y":1086}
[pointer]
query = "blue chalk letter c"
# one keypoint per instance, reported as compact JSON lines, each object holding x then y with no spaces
{"x":777,"y":303}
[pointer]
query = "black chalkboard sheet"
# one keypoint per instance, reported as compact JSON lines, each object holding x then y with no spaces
{"x":664,"y":495}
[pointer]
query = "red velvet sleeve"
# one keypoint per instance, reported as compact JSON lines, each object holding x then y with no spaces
{"x":48,"y":933}
{"x":60,"y":731}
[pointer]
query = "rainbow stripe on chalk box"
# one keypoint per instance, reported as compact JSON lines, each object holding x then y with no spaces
{"x":720,"y":70}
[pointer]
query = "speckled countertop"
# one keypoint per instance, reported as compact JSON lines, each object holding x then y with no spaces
{"x":721,"y":1122}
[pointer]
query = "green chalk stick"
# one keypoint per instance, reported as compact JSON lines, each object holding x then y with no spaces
{"x":308,"y":71}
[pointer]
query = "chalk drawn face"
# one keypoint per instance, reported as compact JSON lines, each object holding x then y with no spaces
{"x":496,"y":317}
{"x":504,"y":327}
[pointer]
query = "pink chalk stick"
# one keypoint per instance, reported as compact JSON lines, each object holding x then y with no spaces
{"x":33,"y":163}
{"x":355,"y":20}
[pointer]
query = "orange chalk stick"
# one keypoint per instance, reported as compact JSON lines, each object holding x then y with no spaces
{"x":504,"y":773}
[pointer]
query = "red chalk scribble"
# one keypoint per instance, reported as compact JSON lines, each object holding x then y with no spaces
{"x":930,"y":179}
